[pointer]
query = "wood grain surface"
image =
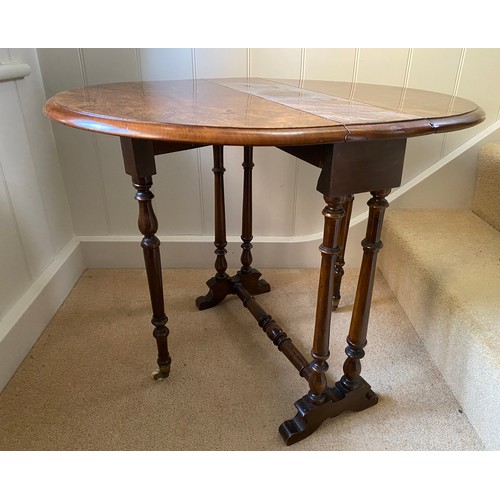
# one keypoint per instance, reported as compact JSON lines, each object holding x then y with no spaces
{"x":255,"y":111}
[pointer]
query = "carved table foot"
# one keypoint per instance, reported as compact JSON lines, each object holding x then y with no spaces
{"x":220,"y":288}
{"x":250,"y":280}
{"x":337,"y":400}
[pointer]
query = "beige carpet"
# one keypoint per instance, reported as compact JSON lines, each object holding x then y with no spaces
{"x":87,"y":385}
{"x":444,"y":267}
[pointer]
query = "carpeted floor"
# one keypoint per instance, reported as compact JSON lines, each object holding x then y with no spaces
{"x":87,"y":385}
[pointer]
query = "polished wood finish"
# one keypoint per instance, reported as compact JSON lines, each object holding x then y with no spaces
{"x":351,"y":392}
{"x":355,"y":134}
{"x":333,"y":214}
{"x":249,"y":275}
{"x":337,"y":400}
{"x":260,"y":112}
{"x":274,"y":331}
{"x":220,"y":214}
{"x":221,"y":285}
{"x":359,"y":167}
{"x":356,"y":340}
{"x":246,"y":217}
{"x":139,"y":163}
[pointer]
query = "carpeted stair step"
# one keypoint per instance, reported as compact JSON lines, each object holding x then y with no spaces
{"x":487,"y":191}
{"x":444,"y":267}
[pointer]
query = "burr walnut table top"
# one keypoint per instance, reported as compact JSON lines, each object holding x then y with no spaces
{"x":255,"y":111}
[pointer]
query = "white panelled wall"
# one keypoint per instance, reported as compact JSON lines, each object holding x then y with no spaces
{"x":66,"y":203}
{"x":38,"y":262}
{"x":287,"y":207}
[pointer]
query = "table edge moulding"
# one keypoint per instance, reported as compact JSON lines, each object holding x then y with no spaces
{"x":354,"y":133}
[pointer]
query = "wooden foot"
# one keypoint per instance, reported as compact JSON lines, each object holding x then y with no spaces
{"x":219,"y":290}
{"x":250,"y":280}
{"x":337,"y":400}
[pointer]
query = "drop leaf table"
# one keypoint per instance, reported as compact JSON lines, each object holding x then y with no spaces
{"x":355,"y":134}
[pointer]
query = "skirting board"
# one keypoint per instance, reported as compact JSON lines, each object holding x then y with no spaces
{"x":21,"y":327}
{"x":198,"y":252}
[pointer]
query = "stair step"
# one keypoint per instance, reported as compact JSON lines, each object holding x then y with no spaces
{"x":444,"y":267}
{"x":487,"y":191}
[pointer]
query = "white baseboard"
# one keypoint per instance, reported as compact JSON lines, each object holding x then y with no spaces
{"x":198,"y":251}
{"x":21,"y":327}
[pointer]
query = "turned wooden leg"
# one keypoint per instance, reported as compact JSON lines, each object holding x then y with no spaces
{"x":339,"y":264}
{"x":220,"y":214}
{"x":356,"y":340}
{"x":148,"y":225}
{"x":333,"y":214}
{"x":139,"y":162}
{"x":219,"y":285}
{"x":246,"y":219}
{"x":249,"y":276}
{"x":351,"y":392}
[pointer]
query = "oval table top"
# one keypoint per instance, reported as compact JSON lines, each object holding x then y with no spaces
{"x":256,"y":111}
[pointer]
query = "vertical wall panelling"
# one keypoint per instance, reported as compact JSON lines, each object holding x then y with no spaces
{"x":421,"y":152}
{"x":39,"y":261}
{"x":274,"y":177}
{"x":330,"y":64}
{"x":308,"y":202}
{"x":44,"y":153}
{"x":62,"y":69}
{"x":165,"y":64}
{"x":221,"y":63}
{"x":382,"y":66}
{"x":117,"y":190}
{"x":184,"y":185}
{"x":108,"y":66}
{"x":21,"y":179}
{"x":274,"y":169}
{"x":177,"y":191}
{"x":14,"y":274}
{"x":480,"y":82}
{"x":34,"y":218}
{"x":82,"y":178}
{"x":435,"y":70}
{"x":277,"y":63}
